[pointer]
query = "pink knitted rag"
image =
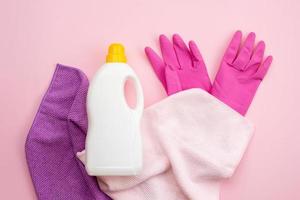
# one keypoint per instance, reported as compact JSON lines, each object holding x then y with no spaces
{"x":191,"y":142}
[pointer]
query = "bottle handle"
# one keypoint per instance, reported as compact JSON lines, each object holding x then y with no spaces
{"x":139,"y":106}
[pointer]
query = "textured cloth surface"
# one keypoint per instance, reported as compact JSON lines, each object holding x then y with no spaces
{"x":191,"y":141}
{"x":59,"y":130}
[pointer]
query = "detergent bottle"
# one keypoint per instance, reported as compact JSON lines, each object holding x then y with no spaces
{"x":113,"y":144}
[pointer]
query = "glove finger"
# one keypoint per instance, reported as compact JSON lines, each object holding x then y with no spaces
{"x":157,"y":64}
{"x":173,"y":82}
{"x":182,"y":52}
{"x":245,"y":53}
{"x":198,"y":63}
{"x":258,"y":54}
{"x":168,"y":52}
{"x":263,"y":69}
{"x":196,"y":55}
{"x":233,"y":47}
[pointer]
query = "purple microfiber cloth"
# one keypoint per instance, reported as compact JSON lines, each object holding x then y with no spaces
{"x":57,"y":133}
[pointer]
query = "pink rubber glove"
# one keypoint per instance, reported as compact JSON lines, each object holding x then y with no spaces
{"x":241,"y":71}
{"x":181,"y":68}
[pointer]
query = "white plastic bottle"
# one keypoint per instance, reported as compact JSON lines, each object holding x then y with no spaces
{"x":113,"y":144}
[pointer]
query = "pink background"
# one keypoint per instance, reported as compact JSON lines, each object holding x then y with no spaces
{"x":35,"y":35}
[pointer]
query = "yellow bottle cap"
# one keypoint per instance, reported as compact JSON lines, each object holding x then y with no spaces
{"x":116,"y":53}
